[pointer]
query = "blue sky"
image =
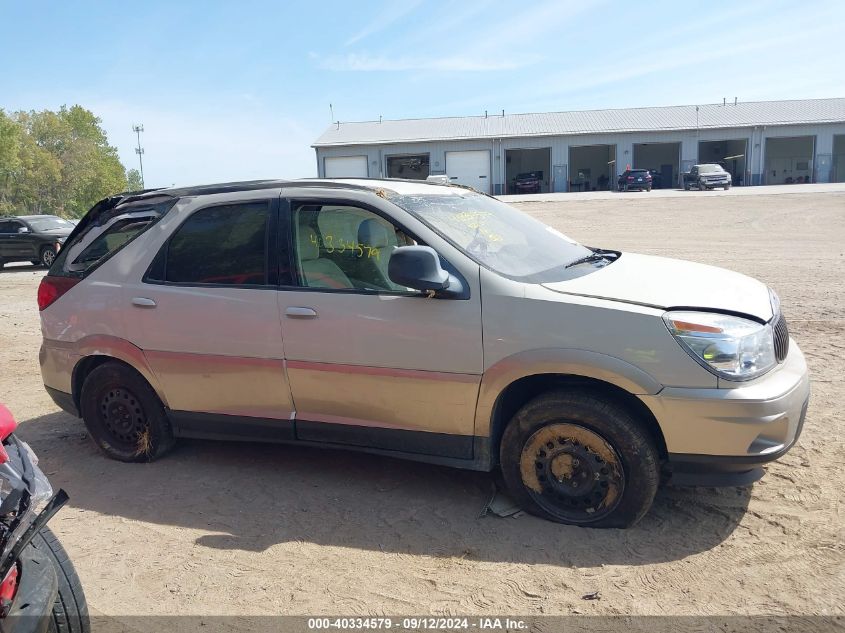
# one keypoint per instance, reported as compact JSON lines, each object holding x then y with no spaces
{"x":231,"y":90}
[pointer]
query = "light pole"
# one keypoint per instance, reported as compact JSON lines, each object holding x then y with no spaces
{"x":140,"y":150}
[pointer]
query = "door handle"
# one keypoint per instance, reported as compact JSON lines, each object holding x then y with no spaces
{"x":143,"y":302}
{"x":300,"y":313}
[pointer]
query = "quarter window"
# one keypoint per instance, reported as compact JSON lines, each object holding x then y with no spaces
{"x":344,"y":248}
{"x":224,"y":244}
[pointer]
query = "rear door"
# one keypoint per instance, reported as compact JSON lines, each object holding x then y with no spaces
{"x":471,"y":169}
{"x":206,"y":316}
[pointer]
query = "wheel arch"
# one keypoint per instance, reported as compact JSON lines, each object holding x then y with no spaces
{"x":97,"y":350}
{"x":527,"y":388}
{"x":515,"y":380}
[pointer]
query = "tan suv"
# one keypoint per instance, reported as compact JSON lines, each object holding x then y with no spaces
{"x":417,"y":320}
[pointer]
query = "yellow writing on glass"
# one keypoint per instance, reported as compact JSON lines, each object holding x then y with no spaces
{"x":330,"y":245}
{"x":477,"y":221}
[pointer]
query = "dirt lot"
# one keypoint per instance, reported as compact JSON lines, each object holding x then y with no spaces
{"x":302,"y":531}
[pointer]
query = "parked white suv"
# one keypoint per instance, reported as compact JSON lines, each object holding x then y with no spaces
{"x":417,"y":320}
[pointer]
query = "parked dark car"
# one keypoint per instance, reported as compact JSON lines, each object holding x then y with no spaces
{"x":528,"y":182}
{"x":635,"y":179}
{"x":39,"y":588}
{"x":656,"y":179}
{"x":32,"y":238}
{"x":707,"y":176}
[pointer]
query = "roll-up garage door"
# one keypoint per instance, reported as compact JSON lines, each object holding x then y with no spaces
{"x":469,"y":168}
{"x":346,"y":167}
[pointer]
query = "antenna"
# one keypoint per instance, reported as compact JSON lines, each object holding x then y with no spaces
{"x":734,"y":100}
{"x":379,"y":118}
{"x":140,"y":150}
{"x":331,"y":109}
{"x":485,"y":114}
{"x":724,"y":101}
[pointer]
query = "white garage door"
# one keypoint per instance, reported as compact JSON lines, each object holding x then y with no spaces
{"x":469,"y":168}
{"x":346,"y":167}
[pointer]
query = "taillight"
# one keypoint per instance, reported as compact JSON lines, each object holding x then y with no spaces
{"x":8,"y":589}
{"x":7,"y":427}
{"x":51,"y":288}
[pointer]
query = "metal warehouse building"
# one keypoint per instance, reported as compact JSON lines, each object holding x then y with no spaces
{"x":772,"y":142}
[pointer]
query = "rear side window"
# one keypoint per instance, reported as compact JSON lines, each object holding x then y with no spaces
{"x":106,"y":229}
{"x":111,"y":240}
{"x":226,"y":244}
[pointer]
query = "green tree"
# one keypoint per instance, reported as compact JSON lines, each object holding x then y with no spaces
{"x":56,"y":162}
{"x":133,"y":180}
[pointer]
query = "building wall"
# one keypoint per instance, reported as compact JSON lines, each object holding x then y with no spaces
{"x":689,"y":139}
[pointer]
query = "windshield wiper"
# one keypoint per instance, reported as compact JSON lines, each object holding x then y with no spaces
{"x":596,"y":256}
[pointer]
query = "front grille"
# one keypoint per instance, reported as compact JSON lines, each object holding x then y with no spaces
{"x":781,"y":338}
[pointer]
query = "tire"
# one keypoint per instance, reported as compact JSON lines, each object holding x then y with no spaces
{"x":565,"y":440}
{"x":124,"y":415}
{"x":648,"y":188}
{"x":727,"y":187}
{"x":2,"y":263}
{"x":70,"y":611}
{"x":48,"y":255}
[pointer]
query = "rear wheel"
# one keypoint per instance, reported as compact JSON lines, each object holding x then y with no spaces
{"x":48,"y":256}
{"x":70,"y":611}
{"x":124,"y":415}
{"x":578,"y":458}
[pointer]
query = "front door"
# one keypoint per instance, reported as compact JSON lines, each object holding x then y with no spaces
{"x":371,"y":363}
{"x":207,"y":319}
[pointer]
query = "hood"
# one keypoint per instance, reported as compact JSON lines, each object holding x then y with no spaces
{"x":661,"y":282}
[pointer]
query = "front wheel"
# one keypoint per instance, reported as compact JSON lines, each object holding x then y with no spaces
{"x":48,"y":256}
{"x":727,"y":187}
{"x":70,"y":611}
{"x":581,"y":459}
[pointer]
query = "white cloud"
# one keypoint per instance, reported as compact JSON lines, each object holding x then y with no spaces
{"x":393,"y":12}
{"x":364,"y":63}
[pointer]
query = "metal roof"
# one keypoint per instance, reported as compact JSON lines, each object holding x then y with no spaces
{"x":747,"y":114}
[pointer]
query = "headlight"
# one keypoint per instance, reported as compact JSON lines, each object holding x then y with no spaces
{"x":730,"y":347}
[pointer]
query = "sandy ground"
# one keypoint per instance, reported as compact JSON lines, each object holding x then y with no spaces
{"x":254,"y":529}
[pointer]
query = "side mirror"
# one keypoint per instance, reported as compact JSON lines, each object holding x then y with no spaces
{"x":418,"y":267}
{"x":23,"y":229}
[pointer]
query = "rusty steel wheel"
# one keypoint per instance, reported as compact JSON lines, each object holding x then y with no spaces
{"x":572,"y":473}
{"x":581,"y":457}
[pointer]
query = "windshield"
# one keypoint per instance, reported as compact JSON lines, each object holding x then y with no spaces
{"x":496,"y":235}
{"x":709,"y":169}
{"x":49,"y":224}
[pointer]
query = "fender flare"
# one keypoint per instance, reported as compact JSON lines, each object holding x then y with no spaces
{"x":565,"y":361}
{"x":119,"y":349}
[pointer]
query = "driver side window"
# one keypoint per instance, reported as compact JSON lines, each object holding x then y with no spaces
{"x":343,"y":247}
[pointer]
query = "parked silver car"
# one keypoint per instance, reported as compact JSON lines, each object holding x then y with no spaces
{"x":417,"y":320}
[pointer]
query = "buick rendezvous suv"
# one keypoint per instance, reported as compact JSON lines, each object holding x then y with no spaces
{"x":418,"y":320}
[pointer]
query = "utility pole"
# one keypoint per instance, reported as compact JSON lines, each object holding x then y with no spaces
{"x":140,"y":150}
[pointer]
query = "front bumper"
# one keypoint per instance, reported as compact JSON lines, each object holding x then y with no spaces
{"x":722,"y":436}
